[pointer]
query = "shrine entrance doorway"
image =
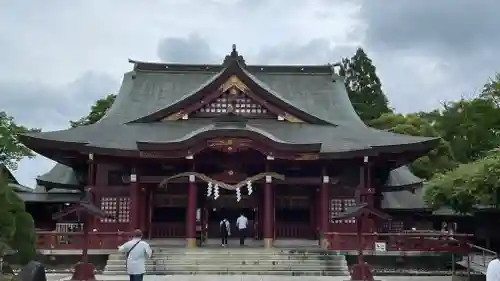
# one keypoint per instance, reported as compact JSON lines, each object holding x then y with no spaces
{"x":226,"y":206}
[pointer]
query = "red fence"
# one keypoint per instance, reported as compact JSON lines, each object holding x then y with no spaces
{"x":46,"y":240}
{"x":379,"y":242}
{"x":383,"y":242}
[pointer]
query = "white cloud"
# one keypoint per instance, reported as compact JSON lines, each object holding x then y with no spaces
{"x":60,"y":56}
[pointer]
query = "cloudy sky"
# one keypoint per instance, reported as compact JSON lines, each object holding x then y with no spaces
{"x":59,"y":56}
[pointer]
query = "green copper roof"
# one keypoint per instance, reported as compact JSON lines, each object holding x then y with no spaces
{"x":333,"y":139}
{"x":145,"y":92}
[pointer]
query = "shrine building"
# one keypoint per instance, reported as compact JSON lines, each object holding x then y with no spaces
{"x":185,"y":145}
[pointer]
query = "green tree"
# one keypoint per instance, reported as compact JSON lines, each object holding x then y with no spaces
{"x":7,"y":218}
{"x":364,"y":86}
{"x":470,"y":185}
{"x":439,"y":160}
{"x":470,"y":126}
{"x":11,"y":149}
{"x":491,"y":90}
{"x":17,"y":228}
{"x":24,"y":239}
{"x":97,"y":111}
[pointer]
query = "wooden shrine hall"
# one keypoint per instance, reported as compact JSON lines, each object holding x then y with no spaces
{"x":185,"y":145}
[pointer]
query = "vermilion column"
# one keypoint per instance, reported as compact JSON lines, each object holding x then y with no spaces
{"x":134,"y":200}
{"x":268,"y":215}
{"x":268,"y":231}
{"x":143,"y":210}
{"x":324,"y":196}
{"x":191,"y":214}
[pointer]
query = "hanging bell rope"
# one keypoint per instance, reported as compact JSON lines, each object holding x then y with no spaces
{"x":222,"y":184}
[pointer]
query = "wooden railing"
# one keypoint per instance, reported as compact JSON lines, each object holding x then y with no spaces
{"x":48,"y":240}
{"x":382,"y":242}
{"x":294,"y":230}
{"x":168,"y":230}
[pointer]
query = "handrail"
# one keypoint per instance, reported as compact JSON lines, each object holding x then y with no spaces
{"x":486,"y":256}
{"x":482,"y":249}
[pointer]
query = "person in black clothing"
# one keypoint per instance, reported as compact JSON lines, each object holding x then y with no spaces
{"x":225,"y":231}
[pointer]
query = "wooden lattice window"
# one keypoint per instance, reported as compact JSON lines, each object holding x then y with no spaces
{"x":348,"y":203}
{"x":109,"y":206}
{"x":335,"y":209}
{"x":236,"y":101}
{"x":124,"y":210}
{"x":119,"y":208}
{"x":338,"y":206}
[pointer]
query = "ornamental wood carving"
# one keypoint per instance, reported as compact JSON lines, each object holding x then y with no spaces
{"x":307,"y":156}
{"x":234,"y":81}
{"x":230,"y":145}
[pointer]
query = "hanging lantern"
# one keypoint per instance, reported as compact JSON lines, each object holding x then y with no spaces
{"x":238,"y":194}
{"x":209,"y":189}
{"x":249,"y":187}
{"x":216,"y":191}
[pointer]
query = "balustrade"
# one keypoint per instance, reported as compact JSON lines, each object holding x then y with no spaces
{"x":168,"y":230}
{"x":382,"y":242}
{"x":294,"y":230}
{"x":48,"y":240}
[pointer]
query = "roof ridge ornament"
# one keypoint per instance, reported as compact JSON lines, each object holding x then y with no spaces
{"x":336,"y":74}
{"x":233,"y":57}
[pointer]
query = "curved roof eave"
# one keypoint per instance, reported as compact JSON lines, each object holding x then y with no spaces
{"x":212,"y":131}
{"x":60,"y":176}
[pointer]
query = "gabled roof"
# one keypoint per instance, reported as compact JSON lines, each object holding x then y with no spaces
{"x":155,"y":89}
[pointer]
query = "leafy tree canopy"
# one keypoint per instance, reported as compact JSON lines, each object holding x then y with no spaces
{"x":11,"y":149}
{"x":470,"y":126}
{"x":364,"y":86}
{"x":438,"y":160}
{"x":97,"y":111}
{"x":491,"y":90}
{"x":17,"y":229}
{"x":470,"y":185}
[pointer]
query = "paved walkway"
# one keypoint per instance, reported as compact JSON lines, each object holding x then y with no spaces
{"x":251,"y":278}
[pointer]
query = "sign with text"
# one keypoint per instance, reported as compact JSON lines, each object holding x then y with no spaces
{"x":380,"y":247}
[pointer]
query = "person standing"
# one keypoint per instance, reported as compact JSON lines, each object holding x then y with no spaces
{"x":137,"y":251}
{"x":242,"y":225}
{"x":493,"y":269}
{"x":225,"y":231}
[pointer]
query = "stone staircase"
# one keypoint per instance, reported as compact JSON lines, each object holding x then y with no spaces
{"x":241,"y":261}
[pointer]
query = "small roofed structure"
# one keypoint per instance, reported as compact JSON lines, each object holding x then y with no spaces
{"x":87,"y":210}
{"x":361,"y":270}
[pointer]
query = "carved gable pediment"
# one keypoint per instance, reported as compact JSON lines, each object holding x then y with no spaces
{"x":233,"y":96}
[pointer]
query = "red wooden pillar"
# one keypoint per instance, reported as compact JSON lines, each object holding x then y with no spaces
{"x":143,"y":211}
{"x":268,"y":231}
{"x":191,"y":214}
{"x":268,"y":216}
{"x":324,"y":220}
{"x":134,"y":200}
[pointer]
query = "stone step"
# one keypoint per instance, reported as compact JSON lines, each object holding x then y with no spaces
{"x":232,"y":267}
{"x":232,"y":256}
{"x":242,"y":258}
{"x":257,"y":272}
{"x":236,"y":262}
{"x":228,"y":261}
